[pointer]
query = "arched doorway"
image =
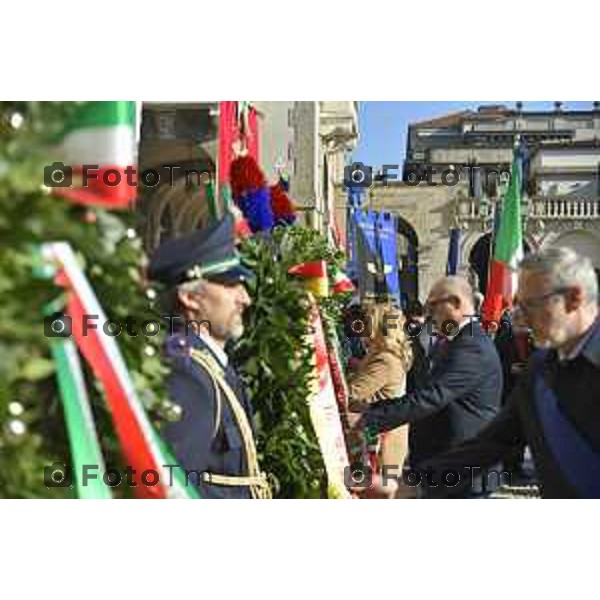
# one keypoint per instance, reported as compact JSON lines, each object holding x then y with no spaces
{"x":479,"y":259}
{"x":168,"y":211}
{"x":182,"y":136}
{"x":408,"y":261}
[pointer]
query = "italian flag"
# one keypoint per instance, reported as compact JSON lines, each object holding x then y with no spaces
{"x":103,"y":134}
{"x":341,"y":282}
{"x":508,"y":251}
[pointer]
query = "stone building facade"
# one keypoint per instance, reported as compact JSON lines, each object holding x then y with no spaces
{"x":561,"y":208}
{"x":323,"y":135}
{"x":306,"y":140}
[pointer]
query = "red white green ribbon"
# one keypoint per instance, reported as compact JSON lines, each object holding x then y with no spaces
{"x":83,"y":439}
{"x":329,"y":396}
{"x":324,"y":412}
{"x":141,"y":447}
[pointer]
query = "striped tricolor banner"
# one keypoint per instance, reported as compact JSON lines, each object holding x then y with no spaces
{"x":102,"y":135}
{"x":324,"y":412}
{"x":142,"y":449}
{"x":86,"y":452}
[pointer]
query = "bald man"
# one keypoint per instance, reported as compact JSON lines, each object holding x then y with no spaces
{"x":464,"y":389}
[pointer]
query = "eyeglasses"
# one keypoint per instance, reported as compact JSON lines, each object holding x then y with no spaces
{"x":526,"y":306}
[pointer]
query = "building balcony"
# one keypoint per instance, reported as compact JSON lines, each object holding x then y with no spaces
{"x":546,"y":208}
{"x":557,"y":207}
{"x":473,"y":209}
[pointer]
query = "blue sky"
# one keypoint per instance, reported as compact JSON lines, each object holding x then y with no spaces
{"x":383,"y":125}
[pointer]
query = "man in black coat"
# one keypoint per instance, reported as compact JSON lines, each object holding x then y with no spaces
{"x":555,"y":407}
{"x":464,"y":389}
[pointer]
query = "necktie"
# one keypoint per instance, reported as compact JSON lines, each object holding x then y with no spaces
{"x":439,"y":348}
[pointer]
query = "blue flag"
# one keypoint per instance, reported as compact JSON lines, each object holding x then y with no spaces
{"x":353,"y":209}
{"x":375,"y":256}
{"x":453,"y":264}
{"x":368,"y":259}
{"x":389,"y":256}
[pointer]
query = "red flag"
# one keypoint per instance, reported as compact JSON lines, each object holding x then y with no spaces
{"x":253,"y":134}
{"x":231,"y":135}
{"x":228,"y":134}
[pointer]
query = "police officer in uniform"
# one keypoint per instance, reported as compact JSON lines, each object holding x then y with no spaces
{"x":214,"y":438}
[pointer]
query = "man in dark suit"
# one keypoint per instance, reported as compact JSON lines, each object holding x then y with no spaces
{"x":555,"y":407}
{"x":214,"y":438}
{"x":464,"y":389}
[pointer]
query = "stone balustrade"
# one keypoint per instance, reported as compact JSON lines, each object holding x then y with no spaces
{"x":539,"y":207}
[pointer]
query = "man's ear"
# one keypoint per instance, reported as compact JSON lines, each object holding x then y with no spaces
{"x":188,"y":300}
{"x":574,"y":298}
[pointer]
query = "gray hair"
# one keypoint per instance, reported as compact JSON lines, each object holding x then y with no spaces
{"x":169,"y":301}
{"x":457,"y":286}
{"x":196,"y":285}
{"x":566,"y":268}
